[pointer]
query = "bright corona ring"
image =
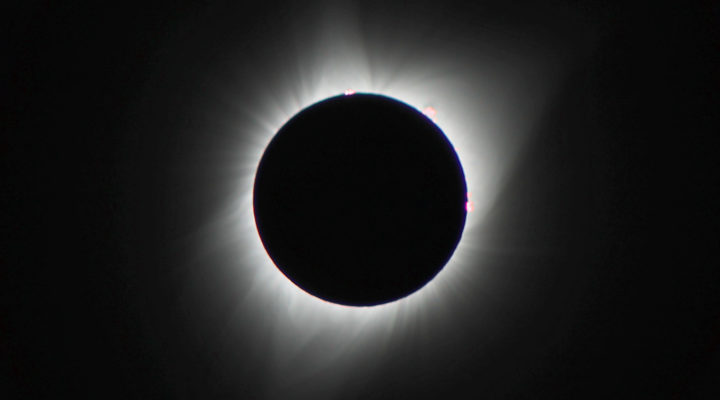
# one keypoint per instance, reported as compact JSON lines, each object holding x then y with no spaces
{"x":360,"y":199}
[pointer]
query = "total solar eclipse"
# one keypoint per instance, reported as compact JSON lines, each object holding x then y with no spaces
{"x":360,"y":199}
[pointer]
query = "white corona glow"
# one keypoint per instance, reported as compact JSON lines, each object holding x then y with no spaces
{"x":488,"y":101}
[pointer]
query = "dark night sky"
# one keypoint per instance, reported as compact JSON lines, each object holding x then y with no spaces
{"x":604,"y":229}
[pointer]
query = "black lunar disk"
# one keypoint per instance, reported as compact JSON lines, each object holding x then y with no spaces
{"x":360,"y":200}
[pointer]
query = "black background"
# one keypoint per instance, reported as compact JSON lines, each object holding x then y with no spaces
{"x":616,"y":186}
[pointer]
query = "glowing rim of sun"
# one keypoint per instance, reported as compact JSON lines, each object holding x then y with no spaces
{"x":429,"y":113}
{"x":282,"y":295}
{"x":486,"y":136}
